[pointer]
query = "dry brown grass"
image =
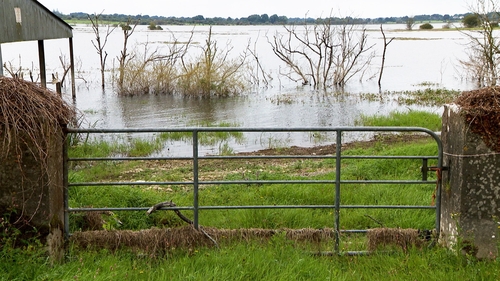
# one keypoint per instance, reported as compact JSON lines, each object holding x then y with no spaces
{"x":390,"y":237}
{"x":156,"y":241}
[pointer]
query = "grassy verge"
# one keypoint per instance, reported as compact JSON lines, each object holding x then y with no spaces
{"x":277,"y":259}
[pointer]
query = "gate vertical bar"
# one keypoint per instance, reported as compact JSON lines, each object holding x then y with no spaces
{"x":425,"y":168}
{"x":195,"y":178}
{"x":65,"y":183}
{"x":338,"y":147}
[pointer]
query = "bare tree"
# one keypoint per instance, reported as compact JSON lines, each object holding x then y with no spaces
{"x":323,"y":54}
{"x":410,"y":23}
{"x":128,"y":30}
{"x":258,"y":70}
{"x":483,"y":59}
{"x":100,"y":43}
{"x":386,"y":43}
{"x":66,"y":67}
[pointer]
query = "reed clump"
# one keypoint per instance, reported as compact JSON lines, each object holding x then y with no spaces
{"x":209,"y":74}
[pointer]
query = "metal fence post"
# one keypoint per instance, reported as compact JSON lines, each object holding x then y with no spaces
{"x":195,"y":179}
{"x":65,"y":183}
{"x":338,"y":158}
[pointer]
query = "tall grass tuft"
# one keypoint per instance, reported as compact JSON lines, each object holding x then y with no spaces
{"x":412,"y":118}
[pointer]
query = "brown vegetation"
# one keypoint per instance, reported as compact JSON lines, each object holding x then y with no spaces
{"x":402,"y":238}
{"x":28,"y":111}
{"x":156,"y":241}
{"x":482,"y":112}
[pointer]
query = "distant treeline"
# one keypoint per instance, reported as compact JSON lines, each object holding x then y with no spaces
{"x":255,"y":19}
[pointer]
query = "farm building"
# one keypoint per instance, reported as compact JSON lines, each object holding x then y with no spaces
{"x":28,"y":20}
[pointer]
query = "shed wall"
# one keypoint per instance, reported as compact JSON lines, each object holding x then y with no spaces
{"x":33,"y":22}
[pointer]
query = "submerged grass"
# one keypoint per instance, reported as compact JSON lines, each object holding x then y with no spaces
{"x":205,"y":138}
{"x":145,"y":146}
{"x":425,"y":97}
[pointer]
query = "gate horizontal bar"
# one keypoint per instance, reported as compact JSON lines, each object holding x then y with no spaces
{"x":255,"y":207}
{"x":400,"y":157}
{"x":246,"y":182}
{"x":258,"y":130}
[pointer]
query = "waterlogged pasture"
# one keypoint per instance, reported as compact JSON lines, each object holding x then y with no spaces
{"x":276,"y":258}
{"x":263,"y":194}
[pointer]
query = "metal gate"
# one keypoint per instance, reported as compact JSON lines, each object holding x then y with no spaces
{"x":196,"y":183}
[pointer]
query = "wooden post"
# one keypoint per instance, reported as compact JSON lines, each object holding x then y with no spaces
{"x":58,"y":88}
{"x":72,"y":62}
{"x":41,"y":58}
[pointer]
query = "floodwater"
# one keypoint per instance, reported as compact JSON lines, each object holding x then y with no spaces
{"x":414,"y":60}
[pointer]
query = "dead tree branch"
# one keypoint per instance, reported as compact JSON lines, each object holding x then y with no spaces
{"x":180,"y":215}
{"x":386,"y":43}
{"x":100,"y":43}
{"x":323,"y":55}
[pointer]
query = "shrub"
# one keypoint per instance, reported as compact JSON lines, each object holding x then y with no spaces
{"x":426,"y":26}
{"x":447,"y":26}
{"x":153,"y":26}
{"x":471,"y":20}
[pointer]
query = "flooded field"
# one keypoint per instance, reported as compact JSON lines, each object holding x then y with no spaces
{"x":414,"y":60}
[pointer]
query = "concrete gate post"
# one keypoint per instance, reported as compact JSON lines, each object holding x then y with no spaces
{"x":470,"y":197}
{"x":35,"y":190}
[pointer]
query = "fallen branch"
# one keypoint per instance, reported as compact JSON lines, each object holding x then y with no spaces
{"x":180,"y":215}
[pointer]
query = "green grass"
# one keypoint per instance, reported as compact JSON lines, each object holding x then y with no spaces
{"x":274,"y":259}
{"x":413,"y":118}
{"x":277,"y":259}
{"x":265,"y":194}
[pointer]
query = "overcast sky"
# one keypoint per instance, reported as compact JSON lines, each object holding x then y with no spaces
{"x":238,"y":9}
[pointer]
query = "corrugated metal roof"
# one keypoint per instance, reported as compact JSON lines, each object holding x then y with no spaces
{"x":28,"y":20}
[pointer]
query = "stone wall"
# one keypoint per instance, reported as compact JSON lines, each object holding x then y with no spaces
{"x":470,"y":197}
